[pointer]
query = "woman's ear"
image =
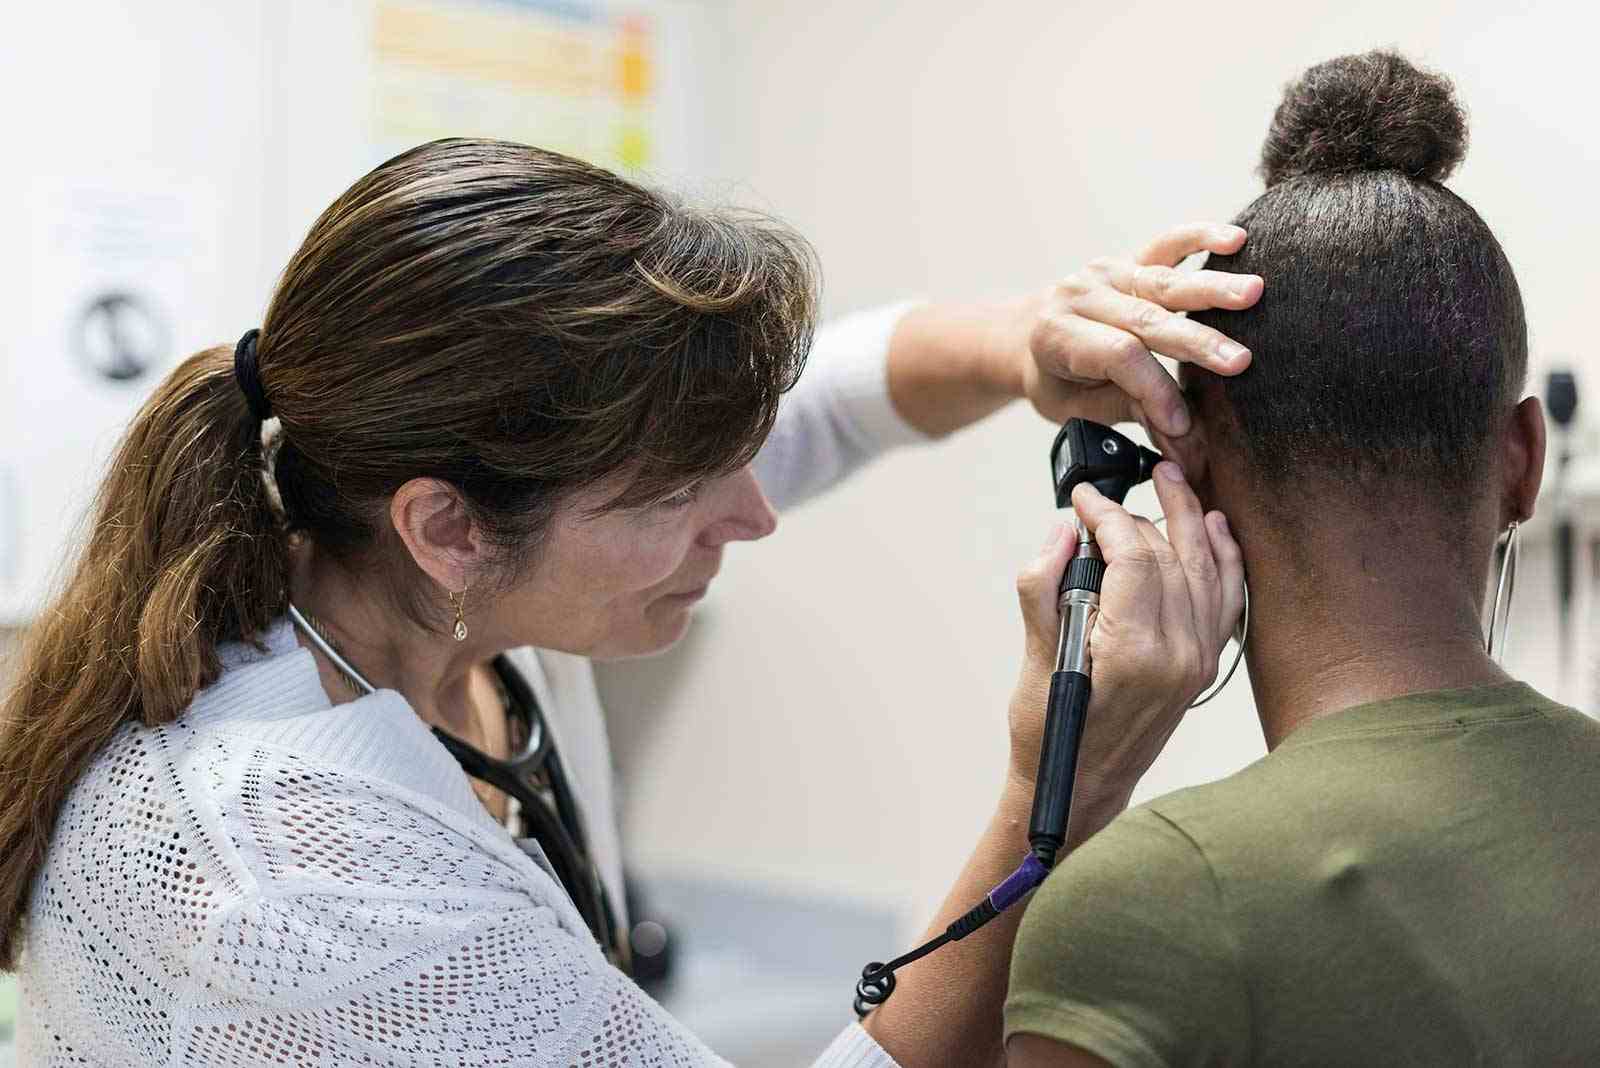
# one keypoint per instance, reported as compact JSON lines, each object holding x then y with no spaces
{"x":1522,"y":461}
{"x":433,"y":522}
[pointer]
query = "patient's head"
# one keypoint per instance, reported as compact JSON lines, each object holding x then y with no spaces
{"x":1390,"y":347}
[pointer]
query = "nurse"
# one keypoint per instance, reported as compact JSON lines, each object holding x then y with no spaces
{"x":504,"y":400}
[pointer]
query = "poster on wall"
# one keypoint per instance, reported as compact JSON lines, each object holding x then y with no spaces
{"x":576,"y":78}
{"x":121,"y":280}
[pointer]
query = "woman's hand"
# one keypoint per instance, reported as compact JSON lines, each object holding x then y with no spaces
{"x":1091,"y":339}
{"x":1167,"y":606}
{"x":1083,"y":347}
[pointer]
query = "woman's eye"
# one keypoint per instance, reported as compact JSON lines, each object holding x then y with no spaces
{"x":682,"y":497}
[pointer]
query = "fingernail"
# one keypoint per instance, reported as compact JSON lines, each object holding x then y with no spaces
{"x":1232,"y":351}
{"x":1178,"y":422}
{"x":1169,"y":471}
{"x":1241,"y":286}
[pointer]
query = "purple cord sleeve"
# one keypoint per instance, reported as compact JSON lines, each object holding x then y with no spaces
{"x":1018,"y":883}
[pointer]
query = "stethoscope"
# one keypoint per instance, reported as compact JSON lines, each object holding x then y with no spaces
{"x":535,"y":778}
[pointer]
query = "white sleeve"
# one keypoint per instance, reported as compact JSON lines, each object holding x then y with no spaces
{"x":839,"y":416}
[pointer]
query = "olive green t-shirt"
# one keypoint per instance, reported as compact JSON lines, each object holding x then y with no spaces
{"x":1414,"y":881}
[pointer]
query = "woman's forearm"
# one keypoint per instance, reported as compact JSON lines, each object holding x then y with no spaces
{"x":953,"y":364}
{"x":946,"y":1008}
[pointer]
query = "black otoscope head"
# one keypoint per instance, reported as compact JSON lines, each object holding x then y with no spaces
{"x":1093,"y":452}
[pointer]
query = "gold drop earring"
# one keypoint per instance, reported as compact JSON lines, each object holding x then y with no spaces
{"x":459,"y":602}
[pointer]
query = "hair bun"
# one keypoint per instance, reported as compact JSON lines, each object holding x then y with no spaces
{"x":1375,"y":111}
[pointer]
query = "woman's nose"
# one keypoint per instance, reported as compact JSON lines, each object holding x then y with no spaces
{"x":746,"y":515}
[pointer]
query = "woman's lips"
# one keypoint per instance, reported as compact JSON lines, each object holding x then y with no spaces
{"x":694,"y":593}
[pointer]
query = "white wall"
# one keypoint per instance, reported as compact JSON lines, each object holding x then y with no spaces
{"x":837,"y":717}
{"x":155,"y":104}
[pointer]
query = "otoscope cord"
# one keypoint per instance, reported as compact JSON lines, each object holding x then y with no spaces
{"x":877,"y":978}
{"x":1058,"y":764}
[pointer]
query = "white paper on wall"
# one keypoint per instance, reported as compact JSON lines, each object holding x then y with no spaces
{"x":120,"y":277}
{"x":579,"y":78}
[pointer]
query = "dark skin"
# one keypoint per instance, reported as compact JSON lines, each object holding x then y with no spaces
{"x":1374,"y":600}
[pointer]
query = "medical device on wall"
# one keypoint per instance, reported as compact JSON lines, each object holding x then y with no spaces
{"x":1083,"y":452}
{"x":1561,"y":400}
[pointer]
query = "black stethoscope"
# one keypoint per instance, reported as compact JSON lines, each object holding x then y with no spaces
{"x":535,"y":778}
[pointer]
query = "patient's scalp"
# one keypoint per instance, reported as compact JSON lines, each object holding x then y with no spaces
{"x":1374,"y":111}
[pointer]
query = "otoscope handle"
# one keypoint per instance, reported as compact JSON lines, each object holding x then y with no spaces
{"x":1068,"y":703}
{"x":1083,"y":573}
{"x":1058,"y":763}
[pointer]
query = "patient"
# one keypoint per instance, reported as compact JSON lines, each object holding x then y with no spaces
{"x":1412,"y":875}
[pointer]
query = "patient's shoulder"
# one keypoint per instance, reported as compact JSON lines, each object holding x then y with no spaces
{"x":1129,"y":951}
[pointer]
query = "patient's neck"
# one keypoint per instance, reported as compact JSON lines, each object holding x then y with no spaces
{"x":1346,"y":615}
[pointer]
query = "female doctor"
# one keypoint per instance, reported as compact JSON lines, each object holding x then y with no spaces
{"x":514,"y":403}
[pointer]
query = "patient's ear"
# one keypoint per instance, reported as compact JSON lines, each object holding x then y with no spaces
{"x":1522,"y":461}
{"x":1189,"y":451}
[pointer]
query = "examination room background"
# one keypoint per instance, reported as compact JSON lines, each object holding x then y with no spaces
{"x":833,"y":728}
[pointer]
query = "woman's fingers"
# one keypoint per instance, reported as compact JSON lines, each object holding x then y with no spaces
{"x":1230,"y":569}
{"x":1058,"y":400}
{"x":1037,"y":593}
{"x":1083,"y":350}
{"x":1133,"y":601}
{"x":1160,"y":329}
{"x":1178,"y":290}
{"x":1173,"y":599}
{"x":1186,"y":532}
{"x":1104,"y":323}
{"x":1181,"y":242}
{"x":1178,"y":630}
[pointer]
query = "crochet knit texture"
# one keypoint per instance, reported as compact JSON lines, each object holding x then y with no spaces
{"x":271,"y":880}
{"x":274,"y":880}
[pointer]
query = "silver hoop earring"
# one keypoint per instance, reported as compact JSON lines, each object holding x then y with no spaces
{"x":1505,"y":586}
{"x":459,"y":602}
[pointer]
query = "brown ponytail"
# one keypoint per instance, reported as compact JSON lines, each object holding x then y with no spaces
{"x":183,"y":554}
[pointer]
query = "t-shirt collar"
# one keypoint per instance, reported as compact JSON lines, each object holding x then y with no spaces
{"x":1424,"y":710}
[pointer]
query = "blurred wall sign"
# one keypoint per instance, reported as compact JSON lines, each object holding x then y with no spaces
{"x":111,"y":266}
{"x":573,"y":76}
{"x":120,"y":335}
{"x":122,"y":278}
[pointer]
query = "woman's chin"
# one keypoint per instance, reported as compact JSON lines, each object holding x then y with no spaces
{"x":662,"y":626}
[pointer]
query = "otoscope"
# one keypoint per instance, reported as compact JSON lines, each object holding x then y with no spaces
{"x":1083,"y":452}
{"x":1093,"y":453}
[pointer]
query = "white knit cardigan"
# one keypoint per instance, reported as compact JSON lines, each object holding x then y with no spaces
{"x":272,"y":879}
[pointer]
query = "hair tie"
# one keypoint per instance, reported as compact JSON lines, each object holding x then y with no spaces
{"x":248,"y":376}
